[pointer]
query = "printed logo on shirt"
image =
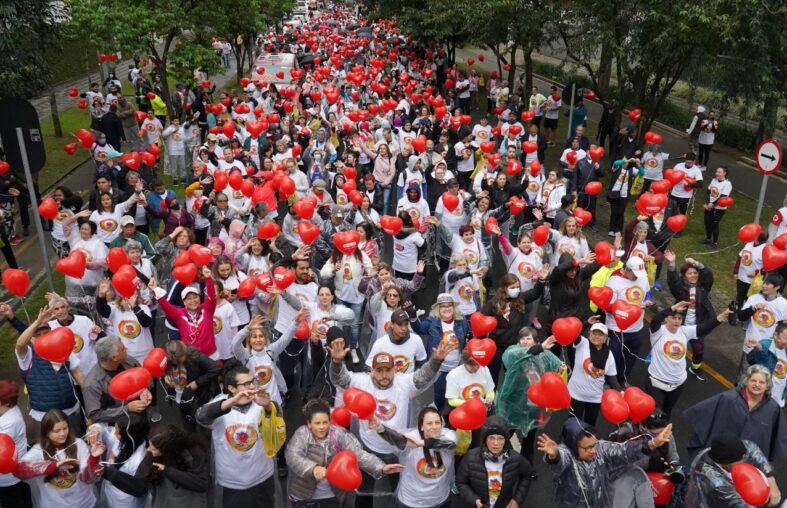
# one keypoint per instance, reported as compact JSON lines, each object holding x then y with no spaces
{"x":591,"y":370}
{"x":401,"y":363}
{"x":482,"y":134}
{"x":414,"y":212}
{"x":129,"y":329}
{"x":348,"y":273}
{"x":63,"y":479}
{"x":714,"y":191}
{"x":533,"y":186}
{"x":780,"y":369}
{"x":427,"y":471}
{"x":179,"y":377}
{"x":341,"y":198}
{"x":639,"y":253}
{"x":473,"y":391}
{"x":320,"y":328}
{"x":449,"y":337}
{"x":545,"y":193}
{"x":635,"y":294}
{"x":79,"y":343}
{"x":151,"y":127}
{"x":777,"y":218}
{"x":746,"y":257}
{"x":495,"y":483}
{"x":263,"y":373}
{"x":526,"y":270}
{"x":471,"y":255}
{"x":218,"y":325}
{"x":764,"y":318}
{"x":108,"y":225}
{"x":399,"y":247}
{"x":241,"y":437}
{"x":652,"y":163}
{"x":101,"y":156}
{"x":675,"y":350}
{"x":566,"y":248}
{"x":385,"y":410}
{"x":465,"y":292}
{"x":236,"y":194}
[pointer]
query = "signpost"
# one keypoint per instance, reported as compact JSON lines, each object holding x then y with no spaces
{"x":768,"y":159}
{"x":24,"y":147}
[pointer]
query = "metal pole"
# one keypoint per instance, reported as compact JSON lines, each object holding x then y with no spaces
{"x":34,"y":205}
{"x":570,"y":132}
{"x":761,"y":200}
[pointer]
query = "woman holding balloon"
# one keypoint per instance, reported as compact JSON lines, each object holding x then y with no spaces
{"x":324,"y":459}
{"x":129,"y":319}
{"x":190,"y":379}
{"x":67,"y":204}
{"x":62,"y":467}
{"x":85,"y":269}
{"x":13,"y":439}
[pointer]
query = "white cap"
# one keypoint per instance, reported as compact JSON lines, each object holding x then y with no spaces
{"x":126,"y":220}
{"x":636,"y":265}
{"x":187,"y":290}
{"x":620,"y":253}
{"x":600,"y":327}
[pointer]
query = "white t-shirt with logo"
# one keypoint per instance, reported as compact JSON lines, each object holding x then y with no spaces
{"x":654,"y":165}
{"x":421,"y":484}
{"x":225,"y":324}
{"x":586,"y":383}
{"x":494,"y":478}
{"x":286,"y":314}
{"x":404,"y":355}
{"x":763,"y":322}
{"x":751,"y":262}
{"x":462,"y":291}
{"x":135,"y":337}
{"x":406,"y":252}
{"x":64,"y":488}
{"x":668,"y":354}
{"x":778,"y":224}
{"x":481,"y":134}
{"x":632,"y":291}
{"x":717,"y":189}
{"x":679,"y":191}
{"x":779,"y":374}
{"x":462,"y":384}
{"x":524,"y":266}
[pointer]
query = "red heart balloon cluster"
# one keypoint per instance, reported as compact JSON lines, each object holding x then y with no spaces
{"x":361,"y":403}
{"x":550,"y":392}
{"x":116,"y":258}
{"x":614,"y":407}
{"x":640,"y":404}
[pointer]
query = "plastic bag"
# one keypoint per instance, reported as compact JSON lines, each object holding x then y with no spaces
{"x":756,"y":285}
{"x":637,"y":185}
{"x":273,"y":431}
{"x":650,"y":267}
{"x":464,"y":437}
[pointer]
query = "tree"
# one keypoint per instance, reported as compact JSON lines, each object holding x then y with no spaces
{"x":649,"y":43}
{"x":141,"y":26}
{"x":29,"y":27}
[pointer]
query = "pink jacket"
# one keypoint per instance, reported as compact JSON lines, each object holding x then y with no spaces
{"x":198,"y":332}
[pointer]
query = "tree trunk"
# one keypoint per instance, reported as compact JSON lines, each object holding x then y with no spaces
{"x":238,"y":51}
{"x":55,"y":113}
{"x":605,"y":67}
{"x":528,"y":53}
{"x":165,"y":87}
{"x":767,"y":124}
{"x":512,"y":69}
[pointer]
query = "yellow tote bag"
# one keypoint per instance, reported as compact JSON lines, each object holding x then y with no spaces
{"x":273,"y":431}
{"x":756,"y":285}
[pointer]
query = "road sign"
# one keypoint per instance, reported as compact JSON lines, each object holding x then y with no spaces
{"x":768,"y":156}
{"x":18,"y":113}
{"x":579,"y":93}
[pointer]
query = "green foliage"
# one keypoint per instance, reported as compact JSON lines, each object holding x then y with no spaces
{"x":29,"y":28}
{"x":188,"y":56}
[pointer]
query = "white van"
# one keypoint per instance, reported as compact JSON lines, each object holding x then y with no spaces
{"x":275,"y":65}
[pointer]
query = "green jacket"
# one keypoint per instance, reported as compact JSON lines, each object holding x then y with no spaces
{"x":147,"y":247}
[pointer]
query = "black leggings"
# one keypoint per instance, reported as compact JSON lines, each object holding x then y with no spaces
{"x":8,"y":251}
{"x":703,"y":154}
{"x":665,"y":400}
{"x":617,"y":214}
{"x":16,"y":496}
{"x":712,"y":222}
{"x":586,"y":411}
{"x":742,"y":288}
{"x":683,"y":204}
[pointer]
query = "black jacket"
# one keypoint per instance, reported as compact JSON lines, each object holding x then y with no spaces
{"x":623,"y":147}
{"x":113,"y":128}
{"x":505,"y":334}
{"x":472,"y":478}
{"x":680,"y":291}
{"x":586,"y":171}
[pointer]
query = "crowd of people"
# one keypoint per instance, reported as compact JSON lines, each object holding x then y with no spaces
{"x":345,"y":236}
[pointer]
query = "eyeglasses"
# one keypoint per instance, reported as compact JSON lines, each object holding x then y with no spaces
{"x":248,"y":384}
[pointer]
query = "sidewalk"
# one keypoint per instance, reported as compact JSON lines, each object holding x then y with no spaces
{"x":745,"y":178}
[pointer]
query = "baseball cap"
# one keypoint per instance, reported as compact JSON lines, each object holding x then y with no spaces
{"x":601,"y":327}
{"x":213,"y":137}
{"x":451,"y":181}
{"x":126,"y":220}
{"x":336,"y":211}
{"x":636,"y":265}
{"x":187,"y":291}
{"x":382,"y":361}
{"x":399,"y":316}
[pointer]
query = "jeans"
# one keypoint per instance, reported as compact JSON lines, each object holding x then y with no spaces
{"x":625,"y":348}
{"x":353,"y":331}
{"x":386,"y":199}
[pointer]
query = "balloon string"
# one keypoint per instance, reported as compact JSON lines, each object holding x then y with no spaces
{"x":24,"y":309}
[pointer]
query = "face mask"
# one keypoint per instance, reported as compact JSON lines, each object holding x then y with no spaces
{"x":101,"y":142}
{"x":461,"y":271}
{"x":513,"y":293}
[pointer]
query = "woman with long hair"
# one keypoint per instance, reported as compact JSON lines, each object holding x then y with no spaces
{"x":567,"y":239}
{"x":62,"y":467}
{"x":108,"y":214}
{"x":80,"y":292}
{"x":191,"y":379}
{"x":68,"y":204}
{"x":126,"y":447}
{"x":128,"y":318}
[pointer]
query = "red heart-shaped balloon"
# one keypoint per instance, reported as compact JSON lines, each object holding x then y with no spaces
{"x":725,"y":201}
{"x":246,"y":288}
{"x":125,"y":281}
{"x":283,"y":277}
{"x":482,"y":324}
{"x":304,"y":208}
{"x":391,"y":224}
{"x":582,"y":216}
{"x":156,"y":362}
{"x":200,"y":255}
{"x":185,"y":274}
{"x":750,"y":483}
{"x":566,"y":330}
{"x":749,"y":232}
{"x":605,"y":253}
{"x":343,"y":472}
{"x":482,"y":350}
{"x":55,"y":345}
{"x":641,"y":405}
{"x":676,"y":223}
{"x":602,"y":297}
{"x":247,"y":188}
{"x":625,"y":313}
{"x":516,"y":204}
{"x":780,"y":241}
{"x":287,"y":185}
{"x":529,"y":147}
{"x":129,"y":384}
{"x":346,"y":241}
{"x":515,"y":129}
{"x":450,"y":201}
{"x":8,"y":454}
{"x":541,"y":234}
{"x":70,"y":148}
{"x":571,"y":157}
{"x":361,"y":403}
{"x":652,"y":204}
{"x":117,"y":257}
{"x":469,"y":416}
{"x":308,"y":232}
{"x":488,"y":146}
{"x":596,"y":153}
{"x":614,"y":407}
{"x":72,"y":265}
{"x":48,"y":208}
{"x":550,"y":392}
{"x":16,"y":281}
{"x":268,"y":230}
{"x":182,"y":259}
{"x":773,"y":258}
{"x":674,"y":176}
{"x":302,"y":332}
{"x":593,"y":188}
{"x":264,"y":281}
{"x":341,"y":416}
{"x":663,"y":487}
{"x":661,"y":187}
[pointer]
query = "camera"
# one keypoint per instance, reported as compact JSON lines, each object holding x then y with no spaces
{"x":734,"y":307}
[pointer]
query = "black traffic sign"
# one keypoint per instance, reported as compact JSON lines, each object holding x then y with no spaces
{"x":19,"y":113}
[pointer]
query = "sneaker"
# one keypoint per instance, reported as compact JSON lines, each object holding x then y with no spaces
{"x":15,"y":240}
{"x":536,"y":323}
{"x":713,"y":245}
{"x":706,"y":241}
{"x":698,"y":373}
{"x":657,"y":285}
{"x":354,"y":355}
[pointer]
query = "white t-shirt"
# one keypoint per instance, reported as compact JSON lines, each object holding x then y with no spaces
{"x":481,"y":134}
{"x":421,"y":484}
{"x":306,"y":293}
{"x":524,"y":266}
{"x":462,"y":291}
{"x":494,"y":478}
{"x":417,"y":210}
{"x":461,"y":384}
{"x":393,"y":407}
{"x":238,"y":450}
{"x":751,"y":262}
{"x":83,"y":341}
{"x":406,"y":252}
{"x":404,"y":355}
{"x":13,"y":425}
{"x":225,"y":325}
{"x":63,"y":488}
{"x":679,"y":191}
{"x":668,"y":353}
{"x":551,"y":103}
{"x":717,"y":189}
{"x":763,"y":322}
{"x":134,"y":336}
{"x":586,"y":383}
{"x":95,"y":251}
{"x":653,"y":163}
{"x":552,"y":194}
{"x":632,"y":291}
{"x":576,"y":247}
{"x":779,"y":373}
{"x":152,"y":129}
{"x":581,"y":154}
{"x":108,"y":222}
{"x":452,"y":220}
{"x":474,"y":252}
